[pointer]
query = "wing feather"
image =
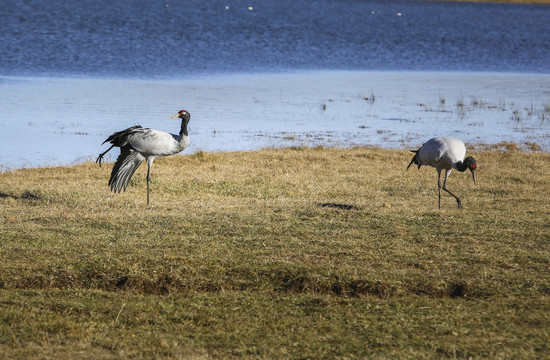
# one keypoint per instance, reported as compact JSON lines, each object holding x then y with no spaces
{"x":125,"y":166}
{"x":119,"y":138}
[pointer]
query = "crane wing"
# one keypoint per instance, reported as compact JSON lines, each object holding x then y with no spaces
{"x":125,"y":166}
{"x":120,"y":137}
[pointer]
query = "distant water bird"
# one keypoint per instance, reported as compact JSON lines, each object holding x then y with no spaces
{"x":444,"y":153}
{"x":137,"y":144}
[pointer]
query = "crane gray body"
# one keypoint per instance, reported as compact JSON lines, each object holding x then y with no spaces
{"x":444,"y":153}
{"x":137,"y":144}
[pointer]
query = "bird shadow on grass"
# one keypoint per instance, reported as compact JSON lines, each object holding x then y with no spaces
{"x":27,"y":195}
{"x":338,"y":206}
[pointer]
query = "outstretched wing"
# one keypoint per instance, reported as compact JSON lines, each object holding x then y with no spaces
{"x":120,"y":137}
{"x":125,"y":166}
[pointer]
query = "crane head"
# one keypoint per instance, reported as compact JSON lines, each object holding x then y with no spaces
{"x":471,"y":163}
{"x":182,"y":114}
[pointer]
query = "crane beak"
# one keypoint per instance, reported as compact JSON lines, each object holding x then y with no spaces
{"x":174,"y":116}
{"x":474,"y":176}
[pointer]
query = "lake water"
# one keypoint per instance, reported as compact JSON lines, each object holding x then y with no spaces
{"x":172,"y":38}
{"x":72,"y":72}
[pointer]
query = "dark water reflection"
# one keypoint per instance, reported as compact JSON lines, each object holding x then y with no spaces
{"x":152,"y":38}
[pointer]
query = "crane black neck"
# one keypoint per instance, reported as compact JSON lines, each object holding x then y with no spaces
{"x":468,"y":163}
{"x":183,"y":131}
{"x":460,"y":166}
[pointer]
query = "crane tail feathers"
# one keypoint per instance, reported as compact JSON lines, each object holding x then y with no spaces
{"x":126,"y":165}
{"x":414,"y":159}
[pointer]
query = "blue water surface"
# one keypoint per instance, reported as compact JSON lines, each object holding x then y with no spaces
{"x":167,"y":38}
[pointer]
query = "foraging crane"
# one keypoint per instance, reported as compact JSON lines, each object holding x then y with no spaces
{"x":444,"y":153}
{"x":137,"y":144}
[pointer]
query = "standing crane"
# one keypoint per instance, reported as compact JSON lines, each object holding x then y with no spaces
{"x":137,"y":144}
{"x":444,"y":153}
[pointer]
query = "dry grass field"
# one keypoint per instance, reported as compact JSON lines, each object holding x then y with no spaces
{"x":284,"y":253}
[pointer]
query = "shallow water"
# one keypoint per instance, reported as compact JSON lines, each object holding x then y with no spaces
{"x":55,"y":121}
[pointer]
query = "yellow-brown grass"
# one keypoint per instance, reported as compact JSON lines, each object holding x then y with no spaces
{"x":301,"y":252}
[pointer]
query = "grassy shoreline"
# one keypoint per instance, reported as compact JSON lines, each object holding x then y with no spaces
{"x":249,"y":255}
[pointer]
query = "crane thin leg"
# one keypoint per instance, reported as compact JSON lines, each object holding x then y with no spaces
{"x":148,"y":180}
{"x":98,"y":160}
{"x":453,"y":195}
{"x":439,"y":187}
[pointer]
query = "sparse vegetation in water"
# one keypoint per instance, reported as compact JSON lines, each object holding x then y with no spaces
{"x":246,"y":254}
{"x":478,"y":103}
{"x":517,"y":115}
{"x":530,"y":112}
{"x":461,"y":107}
{"x":371,"y":99}
{"x":544,"y":114}
{"x":502,"y":105}
{"x":426,"y":107}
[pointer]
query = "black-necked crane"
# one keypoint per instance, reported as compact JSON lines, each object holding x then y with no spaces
{"x":137,"y":144}
{"x":444,"y":153}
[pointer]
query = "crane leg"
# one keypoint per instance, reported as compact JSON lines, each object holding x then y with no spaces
{"x":439,"y":188}
{"x":98,"y":160}
{"x":148,"y":181}
{"x":453,"y":195}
